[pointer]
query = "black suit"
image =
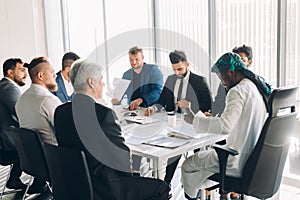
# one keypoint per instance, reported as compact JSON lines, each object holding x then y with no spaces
{"x":197,"y":93}
{"x":108,"y":182}
{"x":9,"y":94}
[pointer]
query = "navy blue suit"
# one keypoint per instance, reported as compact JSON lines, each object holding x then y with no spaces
{"x":61,"y":93}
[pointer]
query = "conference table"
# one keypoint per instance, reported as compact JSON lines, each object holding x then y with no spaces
{"x":157,"y":140}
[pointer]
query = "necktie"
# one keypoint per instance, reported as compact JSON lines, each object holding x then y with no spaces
{"x":179,"y":94}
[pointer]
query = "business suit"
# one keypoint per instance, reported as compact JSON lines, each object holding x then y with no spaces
{"x":61,"y":93}
{"x":151,"y":81}
{"x":197,"y":93}
{"x":10,"y":93}
{"x":108,"y":182}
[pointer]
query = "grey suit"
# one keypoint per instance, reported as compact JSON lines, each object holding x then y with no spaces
{"x":9,"y":94}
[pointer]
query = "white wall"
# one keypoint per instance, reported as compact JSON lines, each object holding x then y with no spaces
{"x":22,"y":31}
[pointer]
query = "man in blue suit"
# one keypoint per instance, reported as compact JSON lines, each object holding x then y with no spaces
{"x":146,"y":80}
{"x":65,"y":89}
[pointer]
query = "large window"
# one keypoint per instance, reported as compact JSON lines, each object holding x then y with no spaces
{"x":292,"y":71}
{"x":253,"y":23}
{"x":183,"y":25}
{"x":105,"y":30}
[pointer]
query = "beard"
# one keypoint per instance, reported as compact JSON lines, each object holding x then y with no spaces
{"x":52,"y":87}
{"x":20,"y":81}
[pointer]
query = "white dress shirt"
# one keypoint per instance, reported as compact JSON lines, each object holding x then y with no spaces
{"x":68,"y":85}
{"x":242,"y":119}
{"x":35,"y":110}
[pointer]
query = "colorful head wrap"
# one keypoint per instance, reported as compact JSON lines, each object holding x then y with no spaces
{"x":232,"y":61}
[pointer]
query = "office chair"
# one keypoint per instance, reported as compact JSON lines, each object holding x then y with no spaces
{"x":262,"y":173}
{"x":31,"y":154}
{"x":69,"y":173}
{"x":4,"y":161}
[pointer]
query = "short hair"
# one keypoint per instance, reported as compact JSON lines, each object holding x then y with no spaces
{"x":134,"y":50}
{"x":247,"y":50}
{"x":177,"y":56}
{"x":32,"y":66}
{"x":81,"y":71}
{"x":10,"y":64}
{"x":69,"y":56}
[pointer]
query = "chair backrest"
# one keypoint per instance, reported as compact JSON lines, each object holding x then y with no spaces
{"x":69,"y":173}
{"x":31,"y":152}
{"x":263,"y":170}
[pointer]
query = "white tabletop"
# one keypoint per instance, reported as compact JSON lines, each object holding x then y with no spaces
{"x":137,"y":134}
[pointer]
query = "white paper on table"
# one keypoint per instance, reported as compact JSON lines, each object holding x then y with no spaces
{"x":120,"y":86}
{"x":188,"y":130}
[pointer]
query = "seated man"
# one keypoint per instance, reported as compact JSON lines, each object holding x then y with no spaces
{"x":91,"y":127}
{"x":14,"y":77}
{"x":181,"y":88}
{"x":146,"y":80}
{"x":35,"y":108}
{"x":242,"y":120}
{"x":65,"y":89}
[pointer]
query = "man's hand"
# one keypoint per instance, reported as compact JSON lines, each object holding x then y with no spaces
{"x":189,"y":116}
{"x":135,"y":104}
{"x":149,"y":111}
{"x":207,"y":114}
{"x":183,"y":104}
{"x":115,"y":101}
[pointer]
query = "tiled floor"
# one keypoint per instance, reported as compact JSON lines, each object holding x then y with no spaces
{"x":289,"y":189}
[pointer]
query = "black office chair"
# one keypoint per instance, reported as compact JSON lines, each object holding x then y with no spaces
{"x":5,"y":161}
{"x":69,"y":173}
{"x":262,"y":173}
{"x":31,"y":154}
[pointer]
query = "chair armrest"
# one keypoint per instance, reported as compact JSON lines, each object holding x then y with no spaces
{"x":221,"y":148}
{"x":223,"y":152}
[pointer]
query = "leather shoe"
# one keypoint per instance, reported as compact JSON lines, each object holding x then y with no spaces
{"x":16,"y":184}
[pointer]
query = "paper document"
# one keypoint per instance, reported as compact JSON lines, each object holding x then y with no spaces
{"x":120,"y":86}
{"x":167,"y":142}
{"x":141,"y":119}
{"x":179,"y":135}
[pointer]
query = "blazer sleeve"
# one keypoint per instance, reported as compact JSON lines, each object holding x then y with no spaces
{"x":156,"y":83}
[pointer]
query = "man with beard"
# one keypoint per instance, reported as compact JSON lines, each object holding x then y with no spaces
{"x":181,"y":89}
{"x":146,"y":80}
{"x":14,"y":77}
{"x":35,"y":109}
{"x":65,"y":89}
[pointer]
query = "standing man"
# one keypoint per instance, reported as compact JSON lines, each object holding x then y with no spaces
{"x":14,"y":77}
{"x":65,"y":89}
{"x":181,"y":88}
{"x":146,"y":80}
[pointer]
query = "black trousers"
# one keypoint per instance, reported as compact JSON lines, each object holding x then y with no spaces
{"x":12,"y":155}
